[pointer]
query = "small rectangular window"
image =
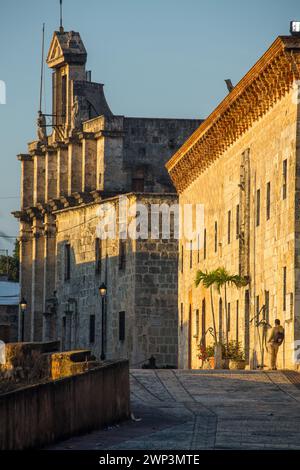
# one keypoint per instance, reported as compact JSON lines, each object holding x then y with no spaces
{"x":98,"y":255}
{"x":67,"y":262}
{"x":122,"y":254}
{"x":204,"y":244}
{"x":284,"y":177}
{"x":121,"y":326}
{"x":92,"y":328}
{"x":258,"y":208}
{"x":216,"y":237}
{"x":198,"y":248}
{"x":237,"y":230}
{"x":284,"y":289}
{"x":191,"y":254}
{"x":229,"y":227}
{"x":268,"y":201}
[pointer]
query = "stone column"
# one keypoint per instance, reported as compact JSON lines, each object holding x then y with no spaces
{"x":37,"y":302}
{"x":49,"y":275}
{"x":26,"y":180}
{"x":50,"y":174}
{"x":25,"y":276}
{"x":74,"y":166}
{"x":38,"y":178}
{"x":89,"y":163}
{"x":62,"y":171}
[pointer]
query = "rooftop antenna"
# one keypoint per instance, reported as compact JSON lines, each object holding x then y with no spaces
{"x":42,"y":68}
{"x":229,"y":85}
{"x":61,"y":28}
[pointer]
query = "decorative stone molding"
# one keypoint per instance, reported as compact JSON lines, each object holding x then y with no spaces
{"x":266,"y":83}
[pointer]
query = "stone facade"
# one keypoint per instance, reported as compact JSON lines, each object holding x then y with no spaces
{"x":141,"y":287}
{"x":92,"y":155}
{"x":248,"y":183}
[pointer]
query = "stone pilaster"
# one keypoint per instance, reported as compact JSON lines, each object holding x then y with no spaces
{"x":37,"y":280}
{"x":62,"y":171}
{"x":38,"y":178}
{"x":25,"y":277}
{"x":89,"y":158}
{"x":26,"y":180}
{"x":74,"y":167}
{"x":49,"y":277}
{"x":50,"y":174}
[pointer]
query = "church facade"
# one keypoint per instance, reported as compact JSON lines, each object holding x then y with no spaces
{"x":243,"y":165}
{"x":89,"y":159}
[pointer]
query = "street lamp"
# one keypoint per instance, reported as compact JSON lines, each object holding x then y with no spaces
{"x":102,"y":292}
{"x":23,"y":307}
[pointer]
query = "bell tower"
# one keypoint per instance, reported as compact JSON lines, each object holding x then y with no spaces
{"x":67,"y":58}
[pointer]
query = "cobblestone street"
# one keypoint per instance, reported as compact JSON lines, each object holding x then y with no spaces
{"x":193,"y":410}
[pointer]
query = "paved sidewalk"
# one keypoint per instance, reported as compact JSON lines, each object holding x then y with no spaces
{"x":193,"y":410}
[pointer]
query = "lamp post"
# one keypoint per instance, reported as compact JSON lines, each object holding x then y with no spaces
{"x":23,"y":307}
{"x":102,"y":292}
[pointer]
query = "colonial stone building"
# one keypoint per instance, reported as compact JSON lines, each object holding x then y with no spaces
{"x":90,"y":156}
{"x":243,"y":165}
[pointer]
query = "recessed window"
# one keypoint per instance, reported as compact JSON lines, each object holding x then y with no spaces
{"x":122,"y":254}
{"x":268,"y":201}
{"x":197,"y":323}
{"x":216,"y":237}
{"x":67,"y":262}
{"x":229,"y":227}
{"x":237,"y":322}
{"x":228,"y":316}
{"x":284,"y":289}
{"x":98,"y":255}
{"x":121,"y":326}
{"x":237,"y":222}
{"x":204,"y":244}
{"x":181,"y":258}
{"x":181,"y":316}
{"x":191,"y":254}
{"x":258,"y":208}
{"x":284,"y":177}
{"x":92,"y":328}
{"x":203,"y":326}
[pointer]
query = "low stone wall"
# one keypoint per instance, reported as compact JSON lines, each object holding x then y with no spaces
{"x":38,"y":415}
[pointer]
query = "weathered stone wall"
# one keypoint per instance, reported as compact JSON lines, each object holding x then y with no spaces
{"x":270,"y":141}
{"x":63,"y":408}
{"x":148,"y":145}
{"x":145,"y":288}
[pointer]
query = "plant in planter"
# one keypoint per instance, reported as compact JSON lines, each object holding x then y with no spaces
{"x":207,"y":355}
{"x":235,"y":356}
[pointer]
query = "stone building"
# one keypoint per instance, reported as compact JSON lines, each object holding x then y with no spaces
{"x":243,"y":165}
{"x":92,"y":155}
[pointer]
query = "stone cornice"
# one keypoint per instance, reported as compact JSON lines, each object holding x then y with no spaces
{"x":265,"y":83}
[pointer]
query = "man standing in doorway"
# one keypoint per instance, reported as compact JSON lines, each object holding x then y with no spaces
{"x":275,"y":340}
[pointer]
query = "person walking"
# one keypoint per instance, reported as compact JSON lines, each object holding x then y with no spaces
{"x":275,"y":340}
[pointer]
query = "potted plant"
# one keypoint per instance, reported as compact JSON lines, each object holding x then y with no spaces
{"x":235,"y":355}
{"x":207,"y":355}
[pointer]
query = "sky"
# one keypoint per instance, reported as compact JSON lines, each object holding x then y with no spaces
{"x":157,"y":58}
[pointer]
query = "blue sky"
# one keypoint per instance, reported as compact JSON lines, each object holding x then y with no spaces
{"x":157,"y":58}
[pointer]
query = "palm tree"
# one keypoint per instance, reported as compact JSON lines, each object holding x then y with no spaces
{"x":208,"y":279}
{"x":224,"y":278}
